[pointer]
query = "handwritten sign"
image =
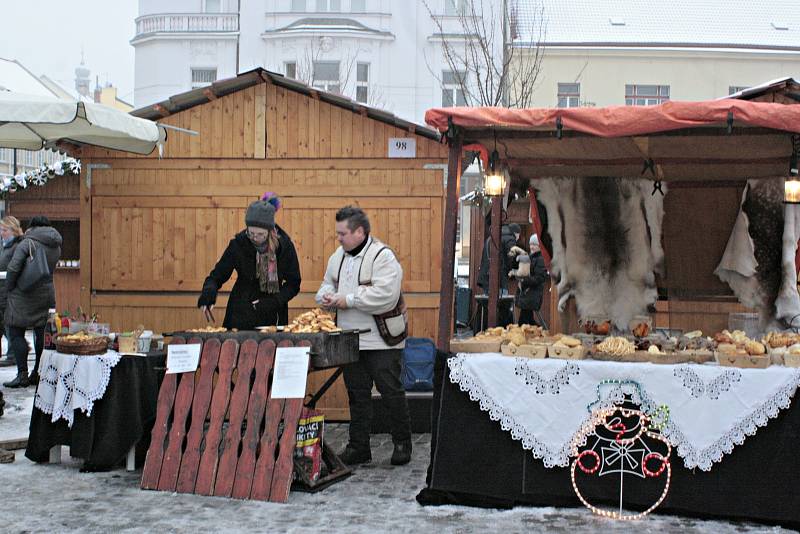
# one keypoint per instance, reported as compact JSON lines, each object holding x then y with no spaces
{"x":183,"y":358}
{"x":291,"y":372}
{"x":402,"y":147}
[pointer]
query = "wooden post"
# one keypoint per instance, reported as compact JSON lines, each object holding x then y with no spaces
{"x":449,"y":243}
{"x":495,"y":250}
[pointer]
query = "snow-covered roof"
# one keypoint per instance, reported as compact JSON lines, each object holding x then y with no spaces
{"x":16,"y":78}
{"x":761,"y":24}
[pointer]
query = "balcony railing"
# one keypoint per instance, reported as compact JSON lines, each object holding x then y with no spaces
{"x":187,"y":22}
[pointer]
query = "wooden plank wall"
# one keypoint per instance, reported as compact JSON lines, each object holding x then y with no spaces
{"x":153,"y":228}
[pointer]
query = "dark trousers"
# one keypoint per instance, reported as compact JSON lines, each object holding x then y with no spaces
{"x":526,"y":317}
{"x":19,"y":347}
{"x":381,"y":367}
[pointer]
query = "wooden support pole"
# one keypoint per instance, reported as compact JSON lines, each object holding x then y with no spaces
{"x":449,"y":243}
{"x":495,"y":251}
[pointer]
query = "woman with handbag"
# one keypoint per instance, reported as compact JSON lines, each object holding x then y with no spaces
{"x":11,"y":234}
{"x":31,"y":294}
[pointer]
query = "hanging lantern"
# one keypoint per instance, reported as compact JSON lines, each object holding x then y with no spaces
{"x":494,"y":183}
{"x":791,"y":186}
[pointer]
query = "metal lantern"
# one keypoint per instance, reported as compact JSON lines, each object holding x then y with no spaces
{"x":791,"y":186}
{"x":494,"y":183}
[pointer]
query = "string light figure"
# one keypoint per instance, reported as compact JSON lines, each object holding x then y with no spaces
{"x":615,"y":445}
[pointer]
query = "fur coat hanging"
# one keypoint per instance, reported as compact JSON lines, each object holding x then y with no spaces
{"x":606,"y":243}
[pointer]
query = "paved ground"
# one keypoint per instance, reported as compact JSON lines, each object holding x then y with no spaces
{"x":377,"y":498}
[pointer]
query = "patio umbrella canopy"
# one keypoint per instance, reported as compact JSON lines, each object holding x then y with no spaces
{"x":33,"y":122}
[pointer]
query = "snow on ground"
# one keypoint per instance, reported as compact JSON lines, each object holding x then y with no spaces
{"x":377,"y":498}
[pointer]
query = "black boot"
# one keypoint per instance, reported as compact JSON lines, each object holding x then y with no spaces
{"x":34,"y":378}
{"x":402,"y":453}
{"x":352,"y":456}
{"x":21,"y":381}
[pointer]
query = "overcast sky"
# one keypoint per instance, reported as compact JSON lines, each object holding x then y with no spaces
{"x":46,"y":36}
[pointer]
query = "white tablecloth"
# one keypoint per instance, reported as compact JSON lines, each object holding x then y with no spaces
{"x":544,"y":403}
{"x":68,"y":383}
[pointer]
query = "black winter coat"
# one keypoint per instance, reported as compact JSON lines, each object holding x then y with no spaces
{"x":6,"y":253}
{"x":271,"y":309}
{"x":531,"y":290}
{"x":29,"y":309}
{"x":507,"y":240}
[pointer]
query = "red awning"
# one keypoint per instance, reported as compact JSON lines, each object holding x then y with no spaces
{"x":619,"y":121}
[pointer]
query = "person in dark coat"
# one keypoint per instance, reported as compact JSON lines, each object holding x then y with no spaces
{"x":11,"y":234}
{"x":30,"y":309}
{"x":531,"y":285}
{"x":509,"y":234}
{"x":267,"y":272}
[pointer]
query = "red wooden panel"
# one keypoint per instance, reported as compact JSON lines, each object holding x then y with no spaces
{"x":265,"y":465}
{"x":255,"y":414}
{"x":284,"y":465}
{"x":207,"y":471}
{"x":168,"y":478}
{"x":155,"y":453}
{"x":230,"y":445}
{"x":200,"y":404}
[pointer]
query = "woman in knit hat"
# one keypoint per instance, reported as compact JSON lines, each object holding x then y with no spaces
{"x":267,"y":271}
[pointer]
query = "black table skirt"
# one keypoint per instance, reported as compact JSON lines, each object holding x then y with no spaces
{"x":123,"y":417}
{"x":475,"y":462}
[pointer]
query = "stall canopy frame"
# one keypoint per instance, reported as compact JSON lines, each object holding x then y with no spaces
{"x":719,"y":140}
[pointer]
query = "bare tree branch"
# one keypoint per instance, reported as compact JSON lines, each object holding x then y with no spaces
{"x":494,"y":59}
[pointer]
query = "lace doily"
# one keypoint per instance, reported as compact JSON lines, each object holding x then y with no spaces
{"x":545,"y":404}
{"x":68,"y":383}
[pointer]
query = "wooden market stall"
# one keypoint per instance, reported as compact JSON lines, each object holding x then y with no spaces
{"x":703,"y":151}
{"x":152,"y":228}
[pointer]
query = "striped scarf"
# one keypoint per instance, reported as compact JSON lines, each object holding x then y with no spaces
{"x":267,"y":265}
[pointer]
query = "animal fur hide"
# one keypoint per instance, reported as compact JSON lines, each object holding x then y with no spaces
{"x":606,"y":243}
{"x":758,"y":262}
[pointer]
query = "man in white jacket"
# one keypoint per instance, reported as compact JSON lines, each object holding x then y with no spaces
{"x":363,"y":279}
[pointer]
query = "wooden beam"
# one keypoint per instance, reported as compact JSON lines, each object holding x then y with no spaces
{"x":481,"y":134}
{"x":449,"y":243}
{"x":293,"y":164}
{"x":161,"y":110}
{"x":531,"y":162}
{"x":495,"y":251}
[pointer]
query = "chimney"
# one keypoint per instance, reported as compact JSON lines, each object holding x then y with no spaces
{"x":97,"y":90}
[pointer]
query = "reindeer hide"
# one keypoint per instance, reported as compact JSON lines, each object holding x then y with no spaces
{"x":606,"y":241}
{"x":759,"y":259}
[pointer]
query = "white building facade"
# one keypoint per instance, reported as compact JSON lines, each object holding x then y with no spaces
{"x":383,"y":53}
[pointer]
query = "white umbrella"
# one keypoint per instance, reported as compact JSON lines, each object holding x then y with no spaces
{"x":34,"y":122}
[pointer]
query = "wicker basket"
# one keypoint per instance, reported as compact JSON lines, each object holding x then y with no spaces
{"x":92,"y":347}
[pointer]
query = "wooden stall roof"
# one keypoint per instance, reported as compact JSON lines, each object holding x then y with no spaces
{"x":202,"y":95}
{"x":710,"y":140}
{"x":782,"y":91}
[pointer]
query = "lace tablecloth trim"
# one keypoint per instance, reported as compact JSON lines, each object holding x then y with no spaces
{"x":692,"y":458}
{"x":704,"y":459}
{"x":60,"y":394}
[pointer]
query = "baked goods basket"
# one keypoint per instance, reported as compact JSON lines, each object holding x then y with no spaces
{"x":82,"y":345}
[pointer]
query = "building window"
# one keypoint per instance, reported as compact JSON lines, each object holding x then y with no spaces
{"x":358,"y":6}
{"x":456,"y":7}
{"x":736,"y":88}
{"x":569,"y":95}
{"x":646,"y":95}
{"x":329,"y":5}
{"x":290,"y":68}
{"x":201,"y":77}
{"x":326,"y":76}
{"x":452,"y":93}
{"x":298,"y":6}
{"x":362,"y":82}
{"x":212,"y":6}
